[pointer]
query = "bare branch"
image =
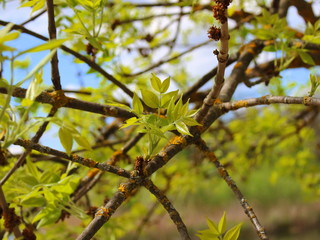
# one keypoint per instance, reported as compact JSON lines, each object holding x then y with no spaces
{"x":231,"y":183}
{"x":73,"y":158}
{"x":265,"y":100}
{"x":57,"y":100}
{"x":55,"y":76}
{"x":173,"y":213}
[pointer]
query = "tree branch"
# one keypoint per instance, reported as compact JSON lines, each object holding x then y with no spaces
{"x":231,"y":183}
{"x":57,"y":100}
{"x":89,"y":62}
{"x":73,"y":158}
{"x":266,"y":100}
{"x":55,"y":76}
{"x":173,"y":213}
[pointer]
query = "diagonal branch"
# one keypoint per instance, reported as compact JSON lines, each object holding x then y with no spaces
{"x":173,"y":213}
{"x":233,"y":186}
{"x":73,"y":158}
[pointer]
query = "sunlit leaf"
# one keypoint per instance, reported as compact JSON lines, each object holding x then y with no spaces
{"x":150,"y":99}
{"x":306,"y":58}
{"x":155,"y":82}
{"x":66,"y":139}
{"x":182,"y":128}
{"x":137,"y":104}
{"x":233,"y":233}
{"x":222,"y":223}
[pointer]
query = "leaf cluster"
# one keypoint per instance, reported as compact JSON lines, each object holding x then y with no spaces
{"x":171,"y":114}
{"x":219,"y":232}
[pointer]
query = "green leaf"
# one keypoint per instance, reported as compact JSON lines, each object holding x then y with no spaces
{"x":137,"y":104}
{"x":233,"y":233}
{"x":35,"y":87}
{"x":306,"y":58}
{"x":4,"y":31}
{"x":182,"y":128}
{"x":82,"y":141}
{"x":33,"y":170}
{"x":9,"y":37}
{"x":150,"y":99}
{"x":49,"y":214}
{"x":155,"y":83}
{"x":212,"y":226}
{"x":46,"y":46}
{"x":119,"y":105}
{"x":66,"y":139}
{"x":189,"y":121}
{"x":131,"y":122}
{"x":222,"y":223}
{"x":165,"y":98}
{"x":33,"y":199}
{"x":177,"y":109}
{"x":165,"y":85}
{"x":40,"y":65}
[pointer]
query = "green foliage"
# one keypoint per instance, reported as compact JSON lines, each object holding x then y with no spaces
{"x":219,"y":232}
{"x":283,"y":39}
{"x":68,"y":133}
{"x":45,"y":189}
{"x":312,"y":33}
{"x":315,"y":83}
{"x":156,"y":125}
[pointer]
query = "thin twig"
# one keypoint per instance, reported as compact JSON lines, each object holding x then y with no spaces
{"x":55,"y":76}
{"x":73,"y":158}
{"x":34,"y":17}
{"x":93,"y":177}
{"x":173,"y":213}
{"x":266,"y":100}
{"x":222,"y":57}
{"x":231,"y":183}
{"x":161,"y":62}
{"x":56,"y":101}
{"x":81,"y":57}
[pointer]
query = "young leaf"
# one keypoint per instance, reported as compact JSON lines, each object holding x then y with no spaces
{"x":33,"y":199}
{"x":155,"y":83}
{"x":46,"y":46}
{"x":137,"y":104}
{"x":212,"y":226}
{"x":66,"y":139}
{"x":131,"y":122}
{"x":182,"y":128}
{"x":189,"y":121}
{"x":49,"y":214}
{"x":150,"y":99}
{"x":82,"y":141}
{"x":306,"y":58}
{"x":40,"y":65}
{"x":165,"y":99}
{"x":165,"y":85}
{"x":35,"y":87}
{"x":222,"y":223}
{"x":233,"y":233}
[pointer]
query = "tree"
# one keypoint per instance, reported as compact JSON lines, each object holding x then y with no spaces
{"x":145,"y":104}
